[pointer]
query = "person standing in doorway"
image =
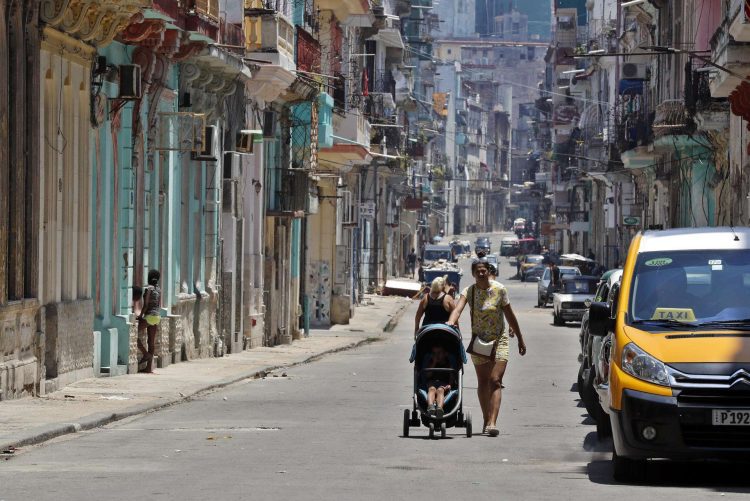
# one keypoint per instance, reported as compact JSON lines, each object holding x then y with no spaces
{"x":151,"y":314}
{"x":411,"y":262}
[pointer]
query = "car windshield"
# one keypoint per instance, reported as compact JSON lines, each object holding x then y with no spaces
{"x":434,"y":255}
{"x":579,"y":286}
{"x":692,"y":288}
{"x":534,"y":259}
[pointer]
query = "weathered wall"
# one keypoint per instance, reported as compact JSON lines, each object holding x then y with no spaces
{"x":195,"y":331}
{"x":21,"y":351}
{"x":69,"y":345}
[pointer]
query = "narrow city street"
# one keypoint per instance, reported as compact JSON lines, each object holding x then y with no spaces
{"x":331,"y":429}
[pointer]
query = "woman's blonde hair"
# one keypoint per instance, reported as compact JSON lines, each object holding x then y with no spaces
{"x":438,"y":285}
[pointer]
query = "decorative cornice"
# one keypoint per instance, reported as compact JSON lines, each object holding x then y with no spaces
{"x":69,"y":47}
{"x":94,"y":21}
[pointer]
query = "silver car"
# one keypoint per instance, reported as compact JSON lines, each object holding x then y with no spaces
{"x":543,"y":294}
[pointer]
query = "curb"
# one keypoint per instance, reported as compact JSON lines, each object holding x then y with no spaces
{"x":49,"y":432}
{"x":392,"y":322}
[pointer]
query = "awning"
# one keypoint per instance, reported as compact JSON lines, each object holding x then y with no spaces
{"x":628,"y":86}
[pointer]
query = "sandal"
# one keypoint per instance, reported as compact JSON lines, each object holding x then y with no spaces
{"x":492,"y":431}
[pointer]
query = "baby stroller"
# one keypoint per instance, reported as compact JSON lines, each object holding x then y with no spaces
{"x":450,"y":339}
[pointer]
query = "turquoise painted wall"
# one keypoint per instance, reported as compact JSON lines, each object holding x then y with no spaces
{"x":325,"y":121}
{"x":115,"y":232}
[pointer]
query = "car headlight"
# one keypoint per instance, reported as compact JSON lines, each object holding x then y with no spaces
{"x":640,"y":364}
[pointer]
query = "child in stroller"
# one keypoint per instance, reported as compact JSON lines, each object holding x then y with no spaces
{"x":438,"y":383}
{"x":438,"y":356}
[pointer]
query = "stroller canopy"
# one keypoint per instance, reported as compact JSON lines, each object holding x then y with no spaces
{"x":438,"y":334}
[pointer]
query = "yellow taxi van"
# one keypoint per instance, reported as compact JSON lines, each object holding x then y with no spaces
{"x":675,"y":362}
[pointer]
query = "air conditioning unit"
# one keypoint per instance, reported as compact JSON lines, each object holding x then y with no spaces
{"x":232,"y":165}
{"x":130,"y":82}
{"x":634,"y":71}
{"x":210,"y":142}
{"x":246,"y":140}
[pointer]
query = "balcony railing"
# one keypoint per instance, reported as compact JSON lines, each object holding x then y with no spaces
{"x":634,"y":130}
{"x":292,"y":195}
{"x":231,"y":34}
{"x":270,"y":36}
{"x":352,"y":129}
{"x":670,"y":118}
{"x":208,"y":8}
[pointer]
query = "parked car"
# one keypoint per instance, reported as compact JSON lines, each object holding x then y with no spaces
{"x":570,"y":303}
{"x":482,"y":244}
{"x":534,"y":274}
{"x":492,"y":259}
{"x":675,"y":355}
{"x":509,"y":246}
{"x":591,"y":347}
{"x":529,"y":261}
{"x":543,"y":295}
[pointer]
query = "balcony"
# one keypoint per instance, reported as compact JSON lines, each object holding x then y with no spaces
{"x":203,"y":17}
{"x":290,"y":198}
{"x":732,"y":55}
{"x":308,"y":52}
{"x":351,"y":142}
{"x":270,"y":37}
{"x":671,"y":118}
{"x":382,"y":102}
{"x":344,"y":9}
{"x":208,"y":8}
{"x":739,"y":20}
{"x":232,"y":36}
{"x":352,"y":129}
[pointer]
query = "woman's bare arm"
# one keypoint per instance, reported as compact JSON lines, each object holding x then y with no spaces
{"x":456,"y":313}
{"x":515,"y":329}
{"x":420,"y":312}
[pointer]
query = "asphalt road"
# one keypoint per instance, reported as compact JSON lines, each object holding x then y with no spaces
{"x":332,"y":430}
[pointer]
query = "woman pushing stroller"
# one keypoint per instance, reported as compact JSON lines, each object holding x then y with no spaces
{"x":489,"y":307}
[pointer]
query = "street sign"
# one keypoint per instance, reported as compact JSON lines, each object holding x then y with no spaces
{"x":367,"y":209}
{"x":631,"y":221}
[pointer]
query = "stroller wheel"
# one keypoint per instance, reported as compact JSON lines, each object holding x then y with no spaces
{"x":432,"y":430}
{"x":468,"y":425}
{"x":442,"y":429}
{"x":406,"y":422}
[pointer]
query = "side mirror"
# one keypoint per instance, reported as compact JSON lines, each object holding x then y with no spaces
{"x":599,"y":321}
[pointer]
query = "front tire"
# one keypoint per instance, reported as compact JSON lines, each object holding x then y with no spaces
{"x":557,"y":320}
{"x":406,"y":422}
{"x":628,"y":470}
{"x":443,"y":430}
{"x":432,"y":430}
{"x":468,"y":425}
{"x":539,"y":302}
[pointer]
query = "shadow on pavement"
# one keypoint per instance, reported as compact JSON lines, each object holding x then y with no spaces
{"x":591,"y":443}
{"x":718,"y":476}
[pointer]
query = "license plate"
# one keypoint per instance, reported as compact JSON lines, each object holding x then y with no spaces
{"x":731,"y":417}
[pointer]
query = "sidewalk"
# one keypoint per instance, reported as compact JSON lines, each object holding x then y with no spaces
{"x":91,"y":403}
